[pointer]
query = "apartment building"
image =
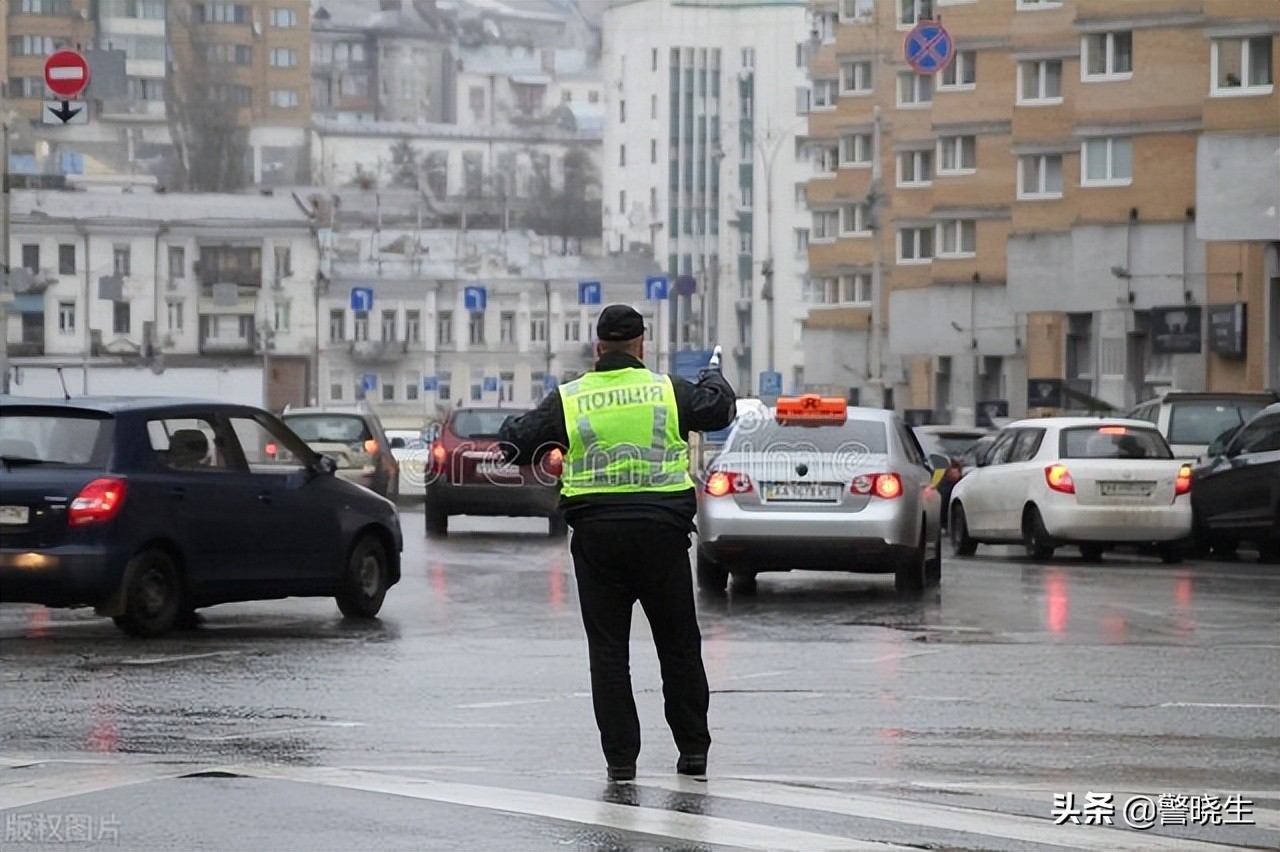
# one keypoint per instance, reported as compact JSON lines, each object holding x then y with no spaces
{"x":705,"y":101}
{"x":1027,"y":219}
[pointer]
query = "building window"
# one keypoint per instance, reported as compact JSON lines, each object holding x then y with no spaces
{"x":507,"y":327}
{"x":622,"y":112}
{"x":175,"y":316}
{"x":573,"y":331}
{"x":653,"y":150}
{"x":120,"y":317}
{"x":444,"y":380}
{"x":802,"y":241}
{"x":824,"y":25}
{"x":444,"y":328}
{"x":829,"y":158}
{"x":388,"y":383}
{"x":1040,"y":176}
{"x":44,"y":7}
{"x":622,"y":155}
{"x":412,"y":384}
{"x":284,"y":18}
{"x":360,"y":330}
{"x":914,"y":90}
{"x":475,"y":328}
{"x":337,"y":326}
{"x":66,"y":259}
{"x":413,"y":326}
{"x":912,"y":12}
{"x":284,"y":57}
{"x":477,"y":391}
{"x":337,"y":384}
{"x":961,"y":73}
{"x":593,"y":96}
{"x":857,"y":10}
{"x":1036,"y":5}
{"x":283,"y":317}
{"x":826,"y":225}
{"x":177,"y":263}
{"x":853,"y":221}
{"x":653,"y":106}
{"x":824,"y":94}
{"x":957,"y":155}
{"x":538,"y":330}
{"x":1106,"y":56}
{"x":915,"y":168}
{"x":222,"y":13}
{"x":1106,"y":162}
{"x":957,"y":238}
{"x":1242,"y":66}
{"x":67,"y":317}
{"x":121,"y":260}
{"x":622,"y":202}
{"x":855,"y":78}
{"x":31,"y":257}
{"x":847,"y":290}
{"x":284,"y":98}
{"x":388,"y":326}
{"x":32,"y":45}
{"x":915,"y":245}
{"x":1040,"y":82}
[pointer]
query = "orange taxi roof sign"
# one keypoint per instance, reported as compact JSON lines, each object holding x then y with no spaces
{"x":812,"y":409}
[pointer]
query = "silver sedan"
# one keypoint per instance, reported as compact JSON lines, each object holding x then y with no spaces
{"x":814,"y":484}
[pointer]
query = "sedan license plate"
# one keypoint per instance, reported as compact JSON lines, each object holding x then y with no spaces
{"x":14,"y":516}
{"x":800,"y":492}
{"x":1126,"y":489}
{"x":496,"y":469}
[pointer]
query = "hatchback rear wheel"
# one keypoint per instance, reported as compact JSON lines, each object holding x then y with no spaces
{"x":152,"y":594}
{"x":1035,"y":537}
{"x":364,"y":581}
{"x":960,"y":541}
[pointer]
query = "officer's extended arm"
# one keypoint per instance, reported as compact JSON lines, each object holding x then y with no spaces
{"x":710,"y":405}
{"x":526,"y":439}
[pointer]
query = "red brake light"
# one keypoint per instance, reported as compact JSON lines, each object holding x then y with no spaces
{"x":886,"y":486}
{"x":271,"y":450}
{"x":1059,"y":478}
{"x":723,"y":482}
{"x":1182,"y":485}
{"x":97,"y":503}
{"x":1112,"y":430}
{"x":438,"y":455}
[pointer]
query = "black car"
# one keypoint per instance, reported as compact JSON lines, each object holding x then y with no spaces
{"x":1235,"y":493}
{"x":148,"y":509}
{"x":952,"y":442}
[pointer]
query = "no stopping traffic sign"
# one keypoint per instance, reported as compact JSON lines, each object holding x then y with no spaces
{"x":66,"y":73}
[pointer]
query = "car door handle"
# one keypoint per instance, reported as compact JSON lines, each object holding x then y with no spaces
{"x":264,"y":497}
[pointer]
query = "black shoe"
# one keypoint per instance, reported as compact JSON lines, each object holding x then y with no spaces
{"x":692,"y":764}
{"x":622,"y":773}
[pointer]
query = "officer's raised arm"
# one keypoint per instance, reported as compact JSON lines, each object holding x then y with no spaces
{"x":709,"y":405}
{"x":527,"y":438}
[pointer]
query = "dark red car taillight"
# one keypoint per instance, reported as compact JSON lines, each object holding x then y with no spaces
{"x":98,"y":502}
{"x":439,"y":458}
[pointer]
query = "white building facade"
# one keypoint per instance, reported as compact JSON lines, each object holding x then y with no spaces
{"x":701,"y":168}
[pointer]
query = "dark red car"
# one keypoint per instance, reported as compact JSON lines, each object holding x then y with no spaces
{"x":467,"y":475}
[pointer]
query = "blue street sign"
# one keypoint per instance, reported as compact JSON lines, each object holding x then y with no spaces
{"x":929,"y":48}
{"x":655,"y":288}
{"x":550,"y":383}
{"x":687,"y":363}
{"x":430,"y":383}
{"x":770,"y":383}
{"x":362,"y":299}
{"x":490,"y":384}
{"x":475,"y":298}
{"x":589,"y":292}
{"x":369,"y":382}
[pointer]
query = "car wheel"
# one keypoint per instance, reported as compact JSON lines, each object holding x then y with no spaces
{"x":964,"y":546}
{"x":1171,"y":553}
{"x":364,"y":581}
{"x":1035,"y":537}
{"x":1091,"y":552}
{"x":152,"y":595}
{"x":712,"y":576}
{"x":744,"y":583}
{"x":933,"y":568}
{"x":437,"y":520}
{"x":1269,"y":552}
{"x":1226,"y":548}
{"x":557,"y":526}
{"x":909,"y":572}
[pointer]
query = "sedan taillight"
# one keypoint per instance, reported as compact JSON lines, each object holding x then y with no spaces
{"x":887,"y":486}
{"x":97,"y":503}
{"x":724,"y":482}
{"x":1182,"y":485}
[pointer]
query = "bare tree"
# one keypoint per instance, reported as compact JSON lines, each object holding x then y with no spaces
{"x":573,"y":210}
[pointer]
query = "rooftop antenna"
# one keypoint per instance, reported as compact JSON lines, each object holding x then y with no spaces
{"x":66,"y":394}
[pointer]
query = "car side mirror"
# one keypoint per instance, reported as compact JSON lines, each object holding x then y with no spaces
{"x":324,"y":466}
{"x":397,"y":443}
{"x":938,"y":461}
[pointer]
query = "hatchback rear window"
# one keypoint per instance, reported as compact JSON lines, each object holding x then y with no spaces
{"x":329,"y":428}
{"x":1113,"y":442}
{"x":79,"y":439}
{"x":480,"y":423}
{"x":1201,"y":421}
{"x":866,"y":436}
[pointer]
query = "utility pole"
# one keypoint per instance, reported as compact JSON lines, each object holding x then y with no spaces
{"x":546,"y":284}
{"x":875,"y":369}
{"x":7,"y":281}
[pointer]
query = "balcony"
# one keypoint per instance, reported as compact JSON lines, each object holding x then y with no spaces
{"x":26,"y":348}
{"x":378,"y":351}
{"x":228,"y":345}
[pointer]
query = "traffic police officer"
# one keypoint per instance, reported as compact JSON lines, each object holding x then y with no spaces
{"x":626,"y":491}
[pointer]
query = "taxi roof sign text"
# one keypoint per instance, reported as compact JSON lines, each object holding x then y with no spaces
{"x":812,"y":410}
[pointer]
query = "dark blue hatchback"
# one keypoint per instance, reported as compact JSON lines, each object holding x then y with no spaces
{"x":147,"y":509}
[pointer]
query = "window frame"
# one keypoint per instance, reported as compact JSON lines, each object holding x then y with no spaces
{"x":1109,"y":53}
{"x":960,"y":226}
{"x":1110,"y":180}
{"x":1040,"y":99}
{"x":954,"y":144}
{"x":919,"y":158}
{"x":918,"y":232}
{"x":920,"y":82}
{"x":863,"y":140}
{"x":1244,"y":90}
{"x":967,"y":58}
{"x":867,"y":79}
{"x":832,"y":89}
{"x":1041,"y":195}
{"x":860,"y":216}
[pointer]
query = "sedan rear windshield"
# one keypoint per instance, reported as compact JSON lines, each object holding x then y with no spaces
{"x":864,"y":436}
{"x":329,"y":428}
{"x":78,"y":439}
{"x":481,"y":423}
{"x":1113,"y":442}
{"x":1201,"y":421}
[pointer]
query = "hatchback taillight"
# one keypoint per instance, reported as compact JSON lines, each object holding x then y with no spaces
{"x":1059,"y":478}
{"x":97,"y":503}
{"x":886,"y":486}
{"x":724,"y":482}
{"x":1182,"y":485}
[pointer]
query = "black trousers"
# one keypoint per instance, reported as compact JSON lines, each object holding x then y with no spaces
{"x":618,"y":563}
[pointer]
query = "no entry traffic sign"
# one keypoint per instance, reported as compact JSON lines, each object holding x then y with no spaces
{"x":929,"y":48}
{"x":66,"y":73}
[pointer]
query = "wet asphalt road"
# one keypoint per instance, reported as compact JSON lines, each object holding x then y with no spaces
{"x":841,"y":715}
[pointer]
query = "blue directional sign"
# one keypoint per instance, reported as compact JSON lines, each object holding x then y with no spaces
{"x":369,"y":382}
{"x":550,"y":383}
{"x":589,"y":292}
{"x":770,"y":383}
{"x":655,"y":288}
{"x":362,"y":299}
{"x":475,"y":298}
{"x":490,"y":384}
{"x":430,"y":383}
{"x":929,"y":48}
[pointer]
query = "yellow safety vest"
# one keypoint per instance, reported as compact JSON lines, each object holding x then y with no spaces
{"x":624,"y":435}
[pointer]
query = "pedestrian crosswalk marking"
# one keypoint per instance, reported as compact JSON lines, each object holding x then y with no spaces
{"x":23,"y":791}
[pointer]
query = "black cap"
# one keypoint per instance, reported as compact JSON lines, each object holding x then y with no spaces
{"x":619,"y":322}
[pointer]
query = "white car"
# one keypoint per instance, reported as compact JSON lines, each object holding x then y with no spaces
{"x":410,"y":447}
{"x":1080,"y":481}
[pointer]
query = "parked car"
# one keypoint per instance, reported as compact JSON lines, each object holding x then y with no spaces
{"x":148,"y":509}
{"x":1083,"y":481}
{"x":354,"y":438}
{"x":1235,"y":496}
{"x":952,"y":442}
{"x":410,"y":447}
{"x":1190,"y":421}
{"x":821,"y":485}
{"x":469,"y":476}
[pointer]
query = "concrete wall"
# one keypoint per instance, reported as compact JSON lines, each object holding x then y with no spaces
{"x":234,"y":384}
{"x":836,"y":356}
{"x":1238,"y":187}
